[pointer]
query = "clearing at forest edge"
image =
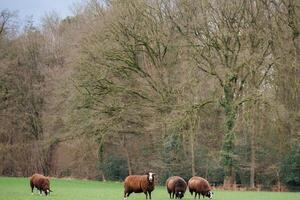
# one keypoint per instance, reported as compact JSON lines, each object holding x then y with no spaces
{"x":19,"y":189}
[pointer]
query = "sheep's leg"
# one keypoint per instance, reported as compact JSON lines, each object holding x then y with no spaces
{"x":146,"y":193}
{"x":32,"y":186}
{"x":191,"y":191}
{"x":195,"y":195}
{"x":149,"y":195}
{"x":126,"y":194}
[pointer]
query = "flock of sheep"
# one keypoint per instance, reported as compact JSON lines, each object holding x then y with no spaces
{"x":176,"y":186}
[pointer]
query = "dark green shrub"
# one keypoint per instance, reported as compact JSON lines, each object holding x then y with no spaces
{"x":290,"y":167}
{"x":115,"y":168}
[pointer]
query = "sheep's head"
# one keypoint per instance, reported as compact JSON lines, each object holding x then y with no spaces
{"x":150,"y":176}
{"x":47,"y":191}
{"x":45,"y":187}
{"x":209,"y":194}
{"x":179,"y":194}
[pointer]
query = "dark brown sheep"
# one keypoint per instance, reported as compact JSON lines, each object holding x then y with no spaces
{"x":200,"y":186}
{"x":138,"y":184}
{"x":176,"y":186}
{"x":41,"y":183}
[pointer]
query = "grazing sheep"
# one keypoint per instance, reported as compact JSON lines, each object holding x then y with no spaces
{"x":176,"y":186}
{"x":41,"y":183}
{"x":200,"y":186}
{"x":138,"y":184}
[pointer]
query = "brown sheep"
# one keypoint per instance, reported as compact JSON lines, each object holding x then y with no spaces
{"x":41,"y":183}
{"x":176,"y":186}
{"x":138,"y":184}
{"x":200,"y":186}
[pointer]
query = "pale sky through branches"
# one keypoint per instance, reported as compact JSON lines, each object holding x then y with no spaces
{"x":38,"y":8}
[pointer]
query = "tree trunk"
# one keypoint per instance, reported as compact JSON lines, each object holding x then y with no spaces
{"x":278,"y":181}
{"x":192,"y":137}
{"x":128,"y":161}
{"x":253,"y":145}
{"x":253,"y":163}
{"x":206,"y":170}
{"x":229,"y":135}
{"x":127,"y":155}
{"x":101,"y":157}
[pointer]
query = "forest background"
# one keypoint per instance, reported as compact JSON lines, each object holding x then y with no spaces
{"x":208,"y":88}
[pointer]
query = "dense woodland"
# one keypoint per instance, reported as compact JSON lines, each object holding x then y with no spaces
{"x":181,"y":87}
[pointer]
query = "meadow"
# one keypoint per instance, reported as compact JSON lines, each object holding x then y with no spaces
{"x":19,"y":189}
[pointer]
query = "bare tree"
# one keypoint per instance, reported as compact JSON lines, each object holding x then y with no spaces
{"x":5,"y":18}
{"x":228,"y":42}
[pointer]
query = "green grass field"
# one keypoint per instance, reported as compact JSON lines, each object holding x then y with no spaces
{"x":19,"y":189}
